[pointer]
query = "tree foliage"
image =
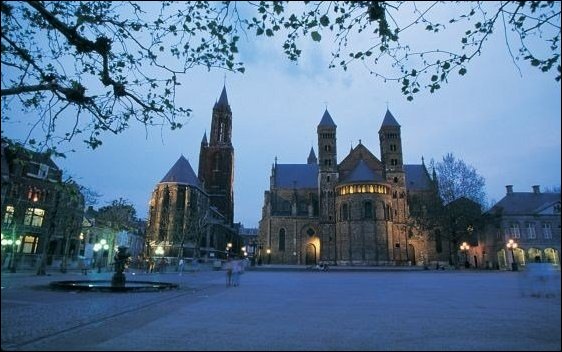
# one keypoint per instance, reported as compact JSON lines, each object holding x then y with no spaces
{"x":119,"y":215}
{"x":457,"y":179}
{"x":102,"y":65}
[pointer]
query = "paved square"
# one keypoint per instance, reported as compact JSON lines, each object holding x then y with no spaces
{"x":282,"y":310}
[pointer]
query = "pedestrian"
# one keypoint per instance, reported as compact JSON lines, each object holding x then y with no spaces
{"x":228,"y":268}
{"x":236,"y":270}
{"x":180,"y":266}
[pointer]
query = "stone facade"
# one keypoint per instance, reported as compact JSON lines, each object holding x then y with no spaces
{"x":190,"y":215}
{"x":352,"y":213}
{"x":532,"y":220}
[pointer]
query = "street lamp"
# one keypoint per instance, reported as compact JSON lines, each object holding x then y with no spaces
{"x":228,"y":247}
{"x":14,"y":244}
{"x":511,"y":244}
{"x":159,"y":251}
{"x":101,"y":245}
{"x":268,"y":256}
{"x":464,"y":248}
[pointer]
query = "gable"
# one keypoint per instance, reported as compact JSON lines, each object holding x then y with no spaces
{"x":360,"y":152}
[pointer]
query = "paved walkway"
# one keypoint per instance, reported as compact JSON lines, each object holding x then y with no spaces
{"x":286,"y":310}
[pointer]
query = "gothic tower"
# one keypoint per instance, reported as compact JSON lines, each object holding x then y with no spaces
{"x":396,"y":212}
{"x":216,"y":160}
{"x":327,"y":180}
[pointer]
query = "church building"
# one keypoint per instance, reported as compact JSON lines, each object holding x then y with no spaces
{"x":356,"y":212}
{"x":192,"y":215}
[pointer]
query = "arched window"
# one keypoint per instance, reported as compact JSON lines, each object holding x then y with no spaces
{"x":217,"y":162}
{"x":368,"y":210}
{"x":438,"y":244}
{"x":345,"y":212}
{"x":281,"y":240}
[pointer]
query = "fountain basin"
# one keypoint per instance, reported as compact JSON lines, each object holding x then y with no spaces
{"x":108,"y":286}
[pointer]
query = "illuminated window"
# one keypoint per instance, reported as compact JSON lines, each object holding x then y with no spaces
{"x":9,"y":215}
{"x":546,"y":230}
{"x":29,"y":244}
{"x":34,"y":217}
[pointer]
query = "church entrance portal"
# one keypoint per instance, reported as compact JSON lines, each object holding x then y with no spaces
{"x":310,"y":254}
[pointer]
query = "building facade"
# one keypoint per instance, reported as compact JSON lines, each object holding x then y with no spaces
{"x":532,"y":221}
{"x":352,"y":213}
{"x":41,"y":214}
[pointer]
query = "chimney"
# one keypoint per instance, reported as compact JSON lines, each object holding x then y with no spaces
{"x":537,"y":189}
{"x":509,"y":189}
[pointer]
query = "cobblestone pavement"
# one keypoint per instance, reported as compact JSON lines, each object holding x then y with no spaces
{"x":286,"y":310}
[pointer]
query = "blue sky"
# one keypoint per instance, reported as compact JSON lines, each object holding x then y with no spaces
{"x":504,"y":124}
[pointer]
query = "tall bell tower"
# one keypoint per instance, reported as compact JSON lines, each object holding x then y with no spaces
{"x":397,"y":211}
{"x":327,"y":180}
{"x":216,"y":159}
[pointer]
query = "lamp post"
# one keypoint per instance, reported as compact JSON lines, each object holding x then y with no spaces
{"x":464,"y":248}
{"x":13,"y":244}
{"x":268,"y":256}
{"x":511,"y":244}
{"x":228,"y":247}
{"x":97,"y":247}
{"x":101,"y":245}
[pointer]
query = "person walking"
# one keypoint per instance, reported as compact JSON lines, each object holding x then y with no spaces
{"x":180,"y":266}
{"x":228,"y":268}
{"x":236,"y":270}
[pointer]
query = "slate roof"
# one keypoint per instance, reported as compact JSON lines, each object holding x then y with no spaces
{"x":389,"y":120}
{"x":417,"y":178}
{"x":223,"y":100}
{"x":327,"y":120}
{"x":525,"y":203}
{"x":296,"y":176}
{"x":182,"y":172}
{"x":362,"y":173}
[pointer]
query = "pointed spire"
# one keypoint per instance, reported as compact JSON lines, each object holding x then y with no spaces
{"x":327,"y":120}
{"x":204,"y":140}
{"x":223,"y":100}
{"x":312,"y":157}
{"x":389,"y":120}
{"x":423,"y":161}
